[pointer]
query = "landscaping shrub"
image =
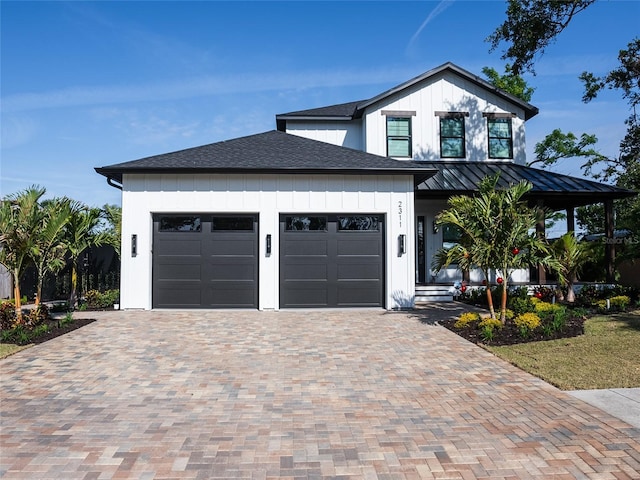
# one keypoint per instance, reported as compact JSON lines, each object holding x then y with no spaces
{"x":466,"y":319}
{"x":618,"y":303}
{"x":37,"y":316}
{"x":522,"y":305}
{"x":527,"y":323}
{"x":488,"y":326}
{"x":98,"y":300}
{"x":7,"y":315}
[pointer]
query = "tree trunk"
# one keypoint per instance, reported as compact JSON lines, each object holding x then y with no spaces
{"x":490,"y":299}
{"x":16,"y":295}
{"x":73,"y":297}
{"x":571,"y":295}
{"x":503,"y":303}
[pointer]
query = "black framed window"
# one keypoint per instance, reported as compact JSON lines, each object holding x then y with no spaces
{"x":232,"y":223}
{"x":399,"y":137}
{"x":451,"y":235}
{"x":305,"y":223}
{"x":452,"y":136}
{"x":180,"y":223}
{"x":500,"y":137}
{"x":360,"y":223}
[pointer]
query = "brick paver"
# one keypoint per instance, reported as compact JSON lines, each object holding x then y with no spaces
{"x":304,"y":395}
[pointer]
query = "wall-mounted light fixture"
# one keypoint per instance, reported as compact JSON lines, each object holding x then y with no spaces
{"x":268,"y":245}
{"x":434,"y":226}
{"x":402,"y":244}
{"x":134,"y":245}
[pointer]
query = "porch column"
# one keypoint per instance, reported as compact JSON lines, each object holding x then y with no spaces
{"x":609,"y":246}
{"x":540,"y":231}
{"x":571,"y":220}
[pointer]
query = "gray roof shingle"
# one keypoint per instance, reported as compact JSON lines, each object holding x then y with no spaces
{"x":268,"y":152}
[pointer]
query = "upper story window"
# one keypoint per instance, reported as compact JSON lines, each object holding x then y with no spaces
{"x":500,"y":135}
{"x":399,"y":133}
{"x":452,"y":136}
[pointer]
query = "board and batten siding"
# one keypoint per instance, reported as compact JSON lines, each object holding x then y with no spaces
{"x":343,"y":134}
{"x":446,"y":92}
{"x":268,"y":196}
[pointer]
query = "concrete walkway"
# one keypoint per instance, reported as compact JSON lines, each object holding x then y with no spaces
{"x":315,"y":394}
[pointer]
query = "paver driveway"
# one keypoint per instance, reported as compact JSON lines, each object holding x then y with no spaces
{"x":321,"y":394}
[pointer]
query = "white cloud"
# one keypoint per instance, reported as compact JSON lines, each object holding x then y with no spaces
{"x":198,"y":87}
{"x":441,"y":7}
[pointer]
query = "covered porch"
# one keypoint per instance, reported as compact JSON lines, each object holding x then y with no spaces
{"x":551,"y":192}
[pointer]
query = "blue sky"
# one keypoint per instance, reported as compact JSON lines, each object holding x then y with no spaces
{"x":87,"y":84}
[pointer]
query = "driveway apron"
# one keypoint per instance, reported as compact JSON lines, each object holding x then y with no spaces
{"x":292,"y":394}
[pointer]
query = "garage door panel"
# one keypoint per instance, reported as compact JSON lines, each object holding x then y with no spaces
{"x":359,"y":294}
{"x":233,"y":247}
{"x":358,"y":247}
{"x":180,"y":271}
{"x":359,"y":271}
{"x":308,"y":294}
{"x":306,"y":271}
{"x":305,"y":247}
{"x":209,"y":266}
{"x":186,"y":247}
{"x":232,"y":272}
{"x":338,"y":267}
{"x":175,"y":295}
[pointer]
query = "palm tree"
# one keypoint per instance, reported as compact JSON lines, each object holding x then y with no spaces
{"x":113,"y":233}
{"x":48,"y":250}
{"x":571,"y":256}
{"x":497,"y":233}
{"x":80,"y":235}
{"x":19,"y":222}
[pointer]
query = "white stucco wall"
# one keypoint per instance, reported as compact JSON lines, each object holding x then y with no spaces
{"x":268,"y":196}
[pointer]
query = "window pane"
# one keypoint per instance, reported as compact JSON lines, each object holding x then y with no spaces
{"x":180,"y":224}
{"x":500,"y":127}
{"x":499,"y":148}
{"x":451,"y":235}
{"x":452,"y":127}
{"x":232,"y":223}
{"x":398,"y":126}
{"x":399,"y":147}
{"x":360,"y":223}
{"x":304,"y":223}
{"x":452,"y":147}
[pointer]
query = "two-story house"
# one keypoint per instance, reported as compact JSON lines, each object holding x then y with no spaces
{"x":335,"y":208}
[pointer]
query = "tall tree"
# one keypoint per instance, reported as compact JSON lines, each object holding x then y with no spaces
{"x":509,"y":82}
{"x":81,"y":233}
{"x":571,"y":255}
{"x":531,"y":26}
{"x":19,"y":222}
{"x":48,"y":249}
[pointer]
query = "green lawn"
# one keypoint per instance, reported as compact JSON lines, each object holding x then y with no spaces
{"x":7,"y":349}
{"x":606,"y":356}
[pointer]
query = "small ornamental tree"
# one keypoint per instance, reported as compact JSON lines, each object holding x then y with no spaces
{"x":19,"y":222}
{"x":571,"y":255}
{"x":497,"y":234}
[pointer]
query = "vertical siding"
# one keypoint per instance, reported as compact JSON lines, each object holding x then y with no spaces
{"x":345,"y":134}
{"x":268,"y":196}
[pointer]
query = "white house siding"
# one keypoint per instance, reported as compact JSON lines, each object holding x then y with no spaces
{"x":268,"y":196}
{"x":446,"y":92}
{"x":344,"y":134}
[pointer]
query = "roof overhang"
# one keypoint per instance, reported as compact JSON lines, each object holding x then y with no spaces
{"x":555,"y":191}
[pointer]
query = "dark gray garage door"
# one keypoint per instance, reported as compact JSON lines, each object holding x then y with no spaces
{"x":205,"y":261}
{"x":331,"y":261}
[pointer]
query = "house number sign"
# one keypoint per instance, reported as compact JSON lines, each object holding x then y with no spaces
{"x":400,"y":213}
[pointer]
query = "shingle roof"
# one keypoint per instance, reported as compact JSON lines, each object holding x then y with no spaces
{"x":353,"y":110}
{"x":557,"y":190}
{"x":269,"y":152}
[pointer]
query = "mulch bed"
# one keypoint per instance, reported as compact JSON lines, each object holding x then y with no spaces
{"x":510,"y":334}
{"x":56,"y":331}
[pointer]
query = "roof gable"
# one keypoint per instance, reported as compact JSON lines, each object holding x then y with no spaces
{"x":353,"y":110}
